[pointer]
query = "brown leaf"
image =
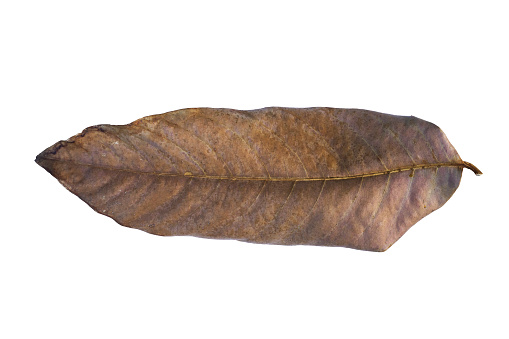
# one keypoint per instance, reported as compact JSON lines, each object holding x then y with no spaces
{"x":289,"y":176}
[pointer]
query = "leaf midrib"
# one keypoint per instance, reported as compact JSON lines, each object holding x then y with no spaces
{"x":224,"y":177}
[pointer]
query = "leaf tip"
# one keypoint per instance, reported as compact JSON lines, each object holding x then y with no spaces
{"x":46,"y":158}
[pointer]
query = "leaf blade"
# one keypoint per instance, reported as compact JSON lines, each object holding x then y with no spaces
{"x":168,"y":174}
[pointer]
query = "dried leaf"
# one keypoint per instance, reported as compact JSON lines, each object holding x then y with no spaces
{"x":289,"y":176}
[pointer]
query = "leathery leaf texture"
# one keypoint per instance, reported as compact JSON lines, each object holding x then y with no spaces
{"x":288,"y":176}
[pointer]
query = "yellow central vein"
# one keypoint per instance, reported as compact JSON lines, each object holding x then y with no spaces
{"x":220,"y":177}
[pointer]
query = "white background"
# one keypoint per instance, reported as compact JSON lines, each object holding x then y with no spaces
{"x":68,"y":272}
